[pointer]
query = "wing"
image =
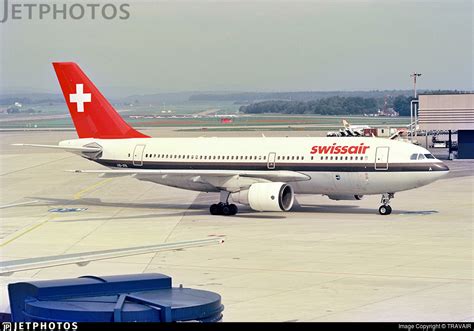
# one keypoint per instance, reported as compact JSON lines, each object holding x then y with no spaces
{"x":227,"y":180}
{"x":9,"y":267}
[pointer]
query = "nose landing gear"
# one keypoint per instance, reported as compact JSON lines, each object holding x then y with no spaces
{"x":385,"y":209}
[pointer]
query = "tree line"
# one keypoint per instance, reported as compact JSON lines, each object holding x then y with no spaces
{"x":327,"y":106}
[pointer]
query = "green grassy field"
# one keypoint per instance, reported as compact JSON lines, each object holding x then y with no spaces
{"x":195,"y":115}
{"x":327,"y":122}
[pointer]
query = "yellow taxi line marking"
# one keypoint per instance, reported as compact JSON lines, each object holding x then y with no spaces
{"x":79,"y":194}
{"x":32,"y":227}
{"x":23,"y":231}
{"x":18,"y":204}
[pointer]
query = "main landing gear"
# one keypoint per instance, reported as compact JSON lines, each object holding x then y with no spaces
{"x":223,"y":207}
{"x":385,"y":209}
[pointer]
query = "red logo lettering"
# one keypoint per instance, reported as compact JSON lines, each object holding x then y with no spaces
{"x":334,"y":149}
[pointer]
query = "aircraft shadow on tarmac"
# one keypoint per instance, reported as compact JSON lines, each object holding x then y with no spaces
{"x":193,"y":209}
{"x":351,"y":209}
{"x":201,"y":209}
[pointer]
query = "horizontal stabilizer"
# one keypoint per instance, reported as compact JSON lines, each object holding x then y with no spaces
{"x":64,"y":148}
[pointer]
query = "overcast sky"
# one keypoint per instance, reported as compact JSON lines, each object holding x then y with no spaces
{"x":253,"y":45}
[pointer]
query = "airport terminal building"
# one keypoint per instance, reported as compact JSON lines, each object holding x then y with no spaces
{"x":453,"y":112}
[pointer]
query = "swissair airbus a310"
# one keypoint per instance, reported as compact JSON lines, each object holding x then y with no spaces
{"x":264,"y":173}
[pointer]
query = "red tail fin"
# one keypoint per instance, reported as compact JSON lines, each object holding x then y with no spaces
{"x":92,"y":114}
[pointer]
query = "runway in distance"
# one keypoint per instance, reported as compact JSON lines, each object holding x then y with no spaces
{"x":264,"y":173}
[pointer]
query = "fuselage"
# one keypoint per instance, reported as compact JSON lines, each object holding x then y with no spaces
{"x":347,"y":165}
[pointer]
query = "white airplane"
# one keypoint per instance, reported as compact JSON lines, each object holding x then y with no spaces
{"x":356,"y":130}
{"x":349,"y":130}
{"x":264,"y":173}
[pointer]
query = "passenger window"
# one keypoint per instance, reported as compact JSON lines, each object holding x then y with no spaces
{"x":322,"y":157}
{"x":302,"y":158}
{"x":331,"y":157}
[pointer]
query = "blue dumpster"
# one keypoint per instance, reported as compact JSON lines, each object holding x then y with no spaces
{"x":125,"y":298}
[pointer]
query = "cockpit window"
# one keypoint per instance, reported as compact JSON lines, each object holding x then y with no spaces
{"x":419,"y":156}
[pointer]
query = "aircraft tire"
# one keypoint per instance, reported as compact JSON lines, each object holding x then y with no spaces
{"x":385,"y":210}
{"x":215,"y":209}
{"x":233,"y":209}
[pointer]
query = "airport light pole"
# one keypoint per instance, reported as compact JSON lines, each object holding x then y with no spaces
{"x":412,"y":110}
{"x":415,"y":75}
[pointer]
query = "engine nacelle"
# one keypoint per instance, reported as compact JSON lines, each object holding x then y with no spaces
{"x":266,"y":197}
{"x":345,"y":197}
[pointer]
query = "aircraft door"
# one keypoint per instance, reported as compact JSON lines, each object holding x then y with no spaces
{"x":138,"y":155}
{"x":381,"y":158}
{"x":271,"y":160}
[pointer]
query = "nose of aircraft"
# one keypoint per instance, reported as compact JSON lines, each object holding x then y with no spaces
{"x":440,"y":166}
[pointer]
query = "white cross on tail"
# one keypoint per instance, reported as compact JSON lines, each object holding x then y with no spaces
{"x":80,"y":97}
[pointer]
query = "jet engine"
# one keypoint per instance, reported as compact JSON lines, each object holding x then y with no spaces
{"x":266,"y":197}
{"x":345,"y":197}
